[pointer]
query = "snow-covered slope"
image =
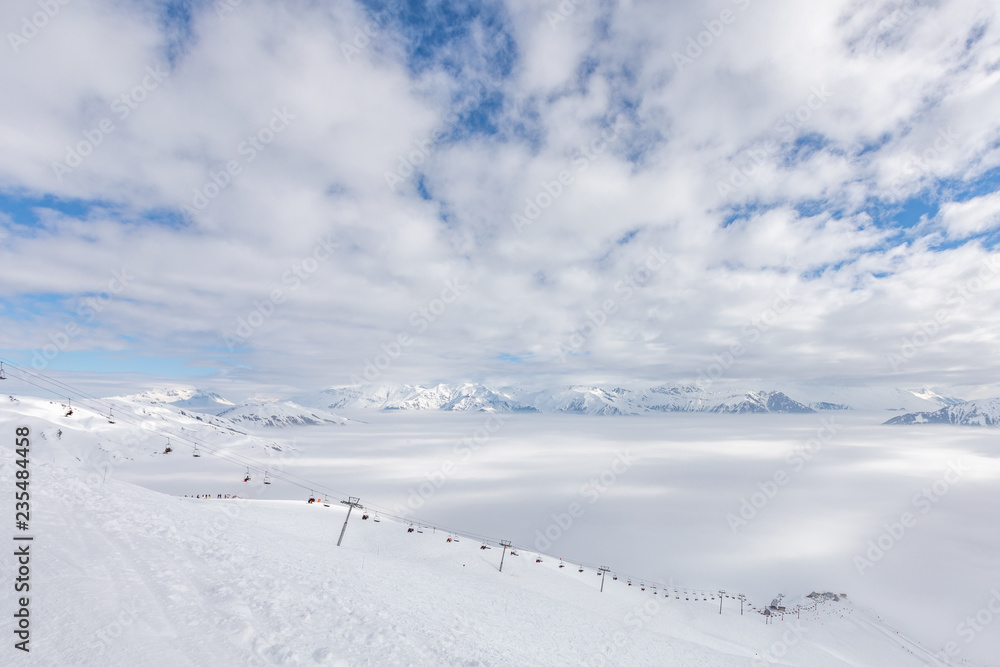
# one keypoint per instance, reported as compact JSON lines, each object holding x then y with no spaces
{"x":983,"y":412}
{"x":270,"y":413}
{"x":127,"y":576}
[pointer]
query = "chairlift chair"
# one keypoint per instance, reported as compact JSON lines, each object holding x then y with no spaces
{"x":168,"y":448}
{"x":2,"y":375}
{"x":111,"y":416}
{"x":377,"y":520}
{"x":69,"y":405}
{"x":246,"y":477}
{"x":197,"y":454}
{"x":267,"y":480}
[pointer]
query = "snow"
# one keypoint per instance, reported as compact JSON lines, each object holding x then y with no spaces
{"x":575,"y":399}
{"x":130,"y":575}
{"x":981,"y":412}
{"x":273,"y":413}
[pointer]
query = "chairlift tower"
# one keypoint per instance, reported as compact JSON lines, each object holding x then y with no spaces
{"x":504,"y":544}
{"x":604,"y":569}
{"x":351,"y":503}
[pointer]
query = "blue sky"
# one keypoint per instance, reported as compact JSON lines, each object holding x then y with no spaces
{"x":486,"y":180}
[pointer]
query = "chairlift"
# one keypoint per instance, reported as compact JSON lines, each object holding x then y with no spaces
{"x":581,"y":568}
{"x":197,"y":454}
{"x":111,"y":416}
{"x":69,"y":404}
{"x":513,"y":553}
{"x":2,"y":375}
{"x":246,"y":477}
{"x":364,"y":517}
{"x":449,"y":538}
{"x":485,"y":546}
{"x":410,"y":529}
{"x":538,"y":559}
{"x":377,"y":520}
{"x":168,"y":448}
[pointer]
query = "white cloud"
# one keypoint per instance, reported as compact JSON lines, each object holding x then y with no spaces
{"x":845,"y":75}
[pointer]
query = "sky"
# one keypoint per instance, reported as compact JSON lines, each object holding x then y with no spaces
{"x":292,"y":195}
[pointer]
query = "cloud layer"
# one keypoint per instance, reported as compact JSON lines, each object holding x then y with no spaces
{"x":275,"y":194}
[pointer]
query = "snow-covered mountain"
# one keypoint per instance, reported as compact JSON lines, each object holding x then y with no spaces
{"x":893,"y":399}
{"x":272,"y":413}
{"x":188,"y":398}
{"x":573,"y":399}
{"x":983,"y":412}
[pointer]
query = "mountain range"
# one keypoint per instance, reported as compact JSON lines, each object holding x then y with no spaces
{"x":983,"y":412}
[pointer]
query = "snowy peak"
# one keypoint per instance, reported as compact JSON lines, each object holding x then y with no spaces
{"x":271,"y":414}
{"x":983,"y":412}
{"x":465,"y":397}
{"x":589,"y":400}
{"x":189,"y":398}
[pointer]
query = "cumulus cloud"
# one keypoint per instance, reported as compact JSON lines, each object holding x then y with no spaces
{"x":293,"y":187}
